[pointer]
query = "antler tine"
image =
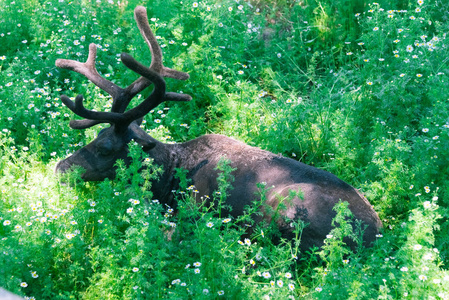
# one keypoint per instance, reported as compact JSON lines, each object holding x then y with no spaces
{"x":99,"y":116}
{"x":83,"y":124}
{"x":140,"y":14}
{"x":88,"y":69}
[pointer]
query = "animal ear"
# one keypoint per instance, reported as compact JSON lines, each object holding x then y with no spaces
{"x":139,"y":121}
{"x":141,"y":137}
{"x":146,"y":144}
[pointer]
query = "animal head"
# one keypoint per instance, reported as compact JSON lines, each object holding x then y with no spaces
{"x":99,"y":157}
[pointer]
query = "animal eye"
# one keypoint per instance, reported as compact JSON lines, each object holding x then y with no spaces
{"x":104,"y":150}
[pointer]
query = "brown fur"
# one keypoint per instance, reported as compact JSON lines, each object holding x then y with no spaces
{"x":322,"y":190}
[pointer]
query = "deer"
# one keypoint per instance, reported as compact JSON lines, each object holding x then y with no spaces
{"x":320,"y":190}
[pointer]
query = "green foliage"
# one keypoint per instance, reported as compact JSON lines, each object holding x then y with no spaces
{"x":356,"y":88}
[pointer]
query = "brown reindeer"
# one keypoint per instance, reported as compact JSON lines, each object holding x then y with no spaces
{"x":321,"y":190}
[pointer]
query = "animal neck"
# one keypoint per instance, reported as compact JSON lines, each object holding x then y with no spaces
{"x":166,"y":156}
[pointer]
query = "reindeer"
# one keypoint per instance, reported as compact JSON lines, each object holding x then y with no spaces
{"x":321,"y":190}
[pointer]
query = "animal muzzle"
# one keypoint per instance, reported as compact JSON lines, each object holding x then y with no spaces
{"x":62,"y":167}
{"x":89,"y":172}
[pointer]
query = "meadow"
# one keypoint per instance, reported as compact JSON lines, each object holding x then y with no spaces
{"x":357,"y":88}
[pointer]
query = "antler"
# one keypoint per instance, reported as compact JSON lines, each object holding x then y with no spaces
{"x":88,"y":69}
{"x":122,"y":96}
{"x":140,"y":14}
{"x":123,"y":119}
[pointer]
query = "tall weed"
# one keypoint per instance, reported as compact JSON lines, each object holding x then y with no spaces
{"x":353,"y":87}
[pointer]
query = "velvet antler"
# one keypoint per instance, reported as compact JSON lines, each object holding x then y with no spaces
{"x":122,"y":96}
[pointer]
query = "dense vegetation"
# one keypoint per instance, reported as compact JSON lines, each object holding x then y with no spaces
{"x":355,"y":88}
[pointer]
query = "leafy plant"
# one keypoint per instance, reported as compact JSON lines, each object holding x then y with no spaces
{"x":355,"y":88}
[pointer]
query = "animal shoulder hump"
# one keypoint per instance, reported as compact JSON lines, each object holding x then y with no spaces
{"x":225,"y":146}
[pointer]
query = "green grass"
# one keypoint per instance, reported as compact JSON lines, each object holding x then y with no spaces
{"x":358,"y":89}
